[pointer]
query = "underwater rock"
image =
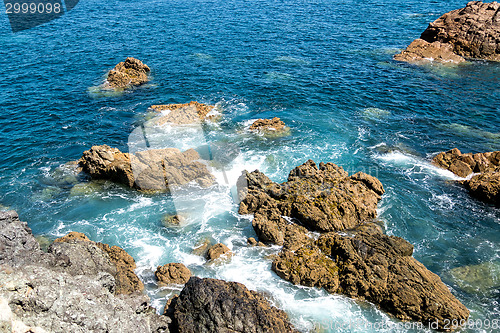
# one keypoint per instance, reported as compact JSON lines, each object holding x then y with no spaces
{"x":485,"y":185}
{"x":192,"y":112}
{"x":352,"y":256}
{"x":172,"y":273}
{"x":471,"y":32}
{"x":173,"y":220}
{"x":482,"y":278}
{"x":269,"y":126}
{"x":201,"y":247}
{"x":217,"y":251}
{"x":210,"y":305}
{"x":69,"y":289}
{"x":149,"y":170}
{"x":131,"y":72}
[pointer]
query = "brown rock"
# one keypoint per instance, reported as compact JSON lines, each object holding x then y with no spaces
{"x":210,"y":305}
{"x":149,"y":170}
{"x":269,"y":126}
{"x":188,"y":113}
{"x":173,"y":273}
{"x":201,"y":247}
{"x":170,"y":220}
{"x":485,"y":186}
{"x":131,"y":72}
{"x":217,"y":251}
{"x":126,"y":280}
{"x":470,"y":32}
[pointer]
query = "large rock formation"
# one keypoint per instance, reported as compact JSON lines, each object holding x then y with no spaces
{"x":352,"y":256}
{"x":131,"y":72}
{"x":73,"y":288}
{"x":485,"y":184}
{"x":192,"y":112}
{"x":153,"y":169}
{"x":470,"y":32}
{"x":209,"y":305}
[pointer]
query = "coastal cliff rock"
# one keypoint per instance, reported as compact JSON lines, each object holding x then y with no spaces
{"x":154,"y":169}
{"x":173,"y":273}
{"x":352,"y":256}
{"x":485,"y":185}
{"x":179,"y":114}
{"x":269,"y":126}
{"x":471,"y":32}
{"x":70,"y":289}
{"x":131,"y":72}
{"x":210,"y":305}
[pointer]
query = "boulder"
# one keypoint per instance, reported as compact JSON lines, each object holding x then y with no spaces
{"x":131,"y":72}
{"x":179,"y":114}
{"x":173,"y":220}
{"x":210,"y":305}
{"x":269,"y":126}
{"x":70,"y":289}
{"x":174,"y":273}
{"x":471,"y":32}
{"x":149,"y":170}
{"x":485,"y":186}
{"x":217,"y":251}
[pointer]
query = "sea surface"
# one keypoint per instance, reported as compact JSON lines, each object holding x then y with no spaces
{"x":324,"y":67}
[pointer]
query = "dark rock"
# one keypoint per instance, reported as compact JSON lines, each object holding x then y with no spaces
{"x":192,"y":112}
{"x":131,"y":72}
{"x":149,"y":170}
{"x":209,"y":305}
{"x":172,"y":273}
{"x":470,"y":32}
{"x":217,"y":251}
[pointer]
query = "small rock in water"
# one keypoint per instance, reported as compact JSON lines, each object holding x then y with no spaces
{"x":217,"y":251}
{"x":175,"y":220}
{"x":131,"y":72}
{"x":270,"y":127}
{"x":174,"y":273}
{"x":201,"y":247}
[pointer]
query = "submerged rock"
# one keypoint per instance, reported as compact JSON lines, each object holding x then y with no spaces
{"x":131,"y":72}
{"x":70,"y":289}
{"x":470,"y":32}
{"x":153,"y":169}
{"x":270,"y":126}
{"x":179,"y":114}
{"x":485,"y":185}
{"x":352,"y":256}
{"x":172,"y":273}
{"x":217,"y":251}
{"x":482,"y":278}
{"x":173,"y":220}
{"x":210,"y":305}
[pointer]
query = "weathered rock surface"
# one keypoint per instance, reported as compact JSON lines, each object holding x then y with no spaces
{"x":217,"y":251}
{"x":71,"y":289}
{"x":352,"y":256}
{"x":192,"y":112}
{"x":173,"y":273}
{"x":269,"y":126}
{"x":209,"y":305}
{"x":470,"y":32}
{"x":486,"y":184}
{"x":131,"y":72}
{"x":149,"y":170}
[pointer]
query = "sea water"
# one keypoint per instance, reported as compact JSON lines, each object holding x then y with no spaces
{"x":324,"y":67}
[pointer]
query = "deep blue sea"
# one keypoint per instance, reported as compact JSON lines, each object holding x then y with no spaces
{"x":324,"y":67}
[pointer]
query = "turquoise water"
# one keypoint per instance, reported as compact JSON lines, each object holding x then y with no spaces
{"x":323,"y":67}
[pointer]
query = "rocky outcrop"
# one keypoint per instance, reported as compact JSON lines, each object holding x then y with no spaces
{"x":149,"y":170}
{"x":131,"y":72}
{"x":352,"y":256}
{"x":217,"y":251}
{"x":174,"y":273}
{"x":192,"y":112}
{"x":485,"y":184}
{"x":210,"y":305}
{"x":269,"y":126}
{"x":470,"y":32}
{"x":73,"y":288}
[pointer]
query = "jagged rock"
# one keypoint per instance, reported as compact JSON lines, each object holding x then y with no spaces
{"x":486,"y":184}
{"x":149,"y":170}
{"x":59,"y":292}
{"x":210,"y":305}
{"x":173,"y":273}
{"x":192,"y":112}
{"x":269,"y":126}
{"x":87,"y":257}
{"x":131,"y":72}
{"x":253,"y":242}
{"x":470,"y":32}
{"x":360,"y":262}
{"x":175,"y":220}
{"x":217,"y":251}
{"x":323,"y":198}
